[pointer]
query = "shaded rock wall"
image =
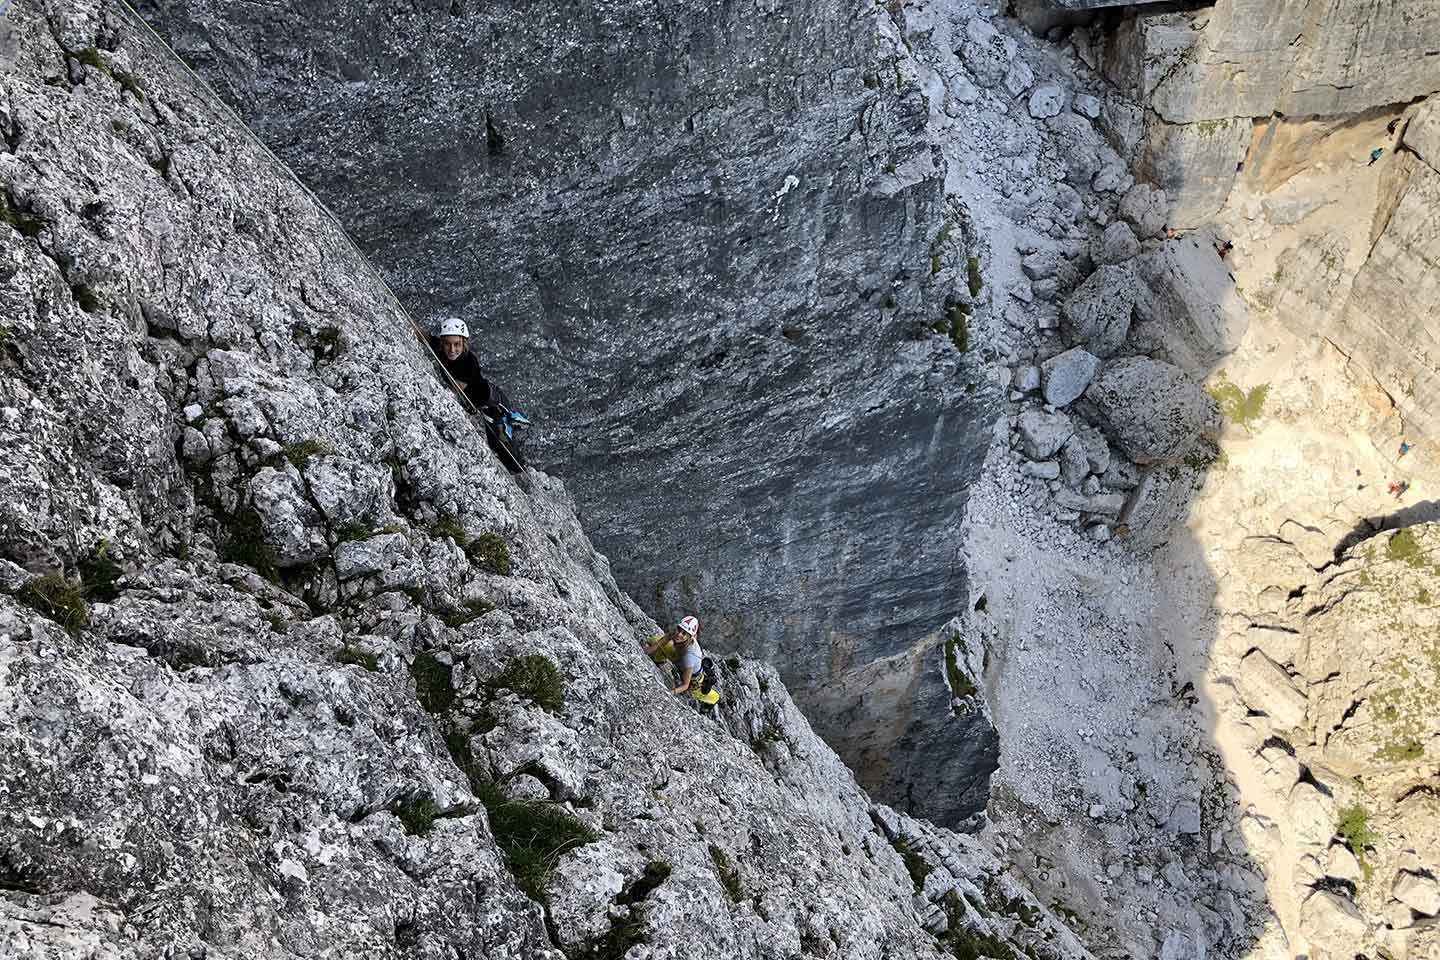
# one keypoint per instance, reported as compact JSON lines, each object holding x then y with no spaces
{"x":696,"y":242}
{"x":277,"y":692}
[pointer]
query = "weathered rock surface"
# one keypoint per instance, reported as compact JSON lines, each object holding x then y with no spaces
{"x":1195,"y":164}
{"x":1066,"y":375}
{"x":1252,"y":58}
{"x":1387,"y":321}
{"x":228,"y":749}
{"x":1149,"y":409}
{"x":663,"y":247}
{"x":1097,"y":315}
{"x":1194,"y":316}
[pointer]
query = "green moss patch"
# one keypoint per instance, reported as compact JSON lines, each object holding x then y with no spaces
{"x":535,"y":678}
{"x":1404,"y":546}
{"x":960,"y":684}
{"x":974,"y":282}
{"x":1239,"y":407}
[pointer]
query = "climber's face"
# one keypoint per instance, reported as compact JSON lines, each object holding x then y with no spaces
{"x":452,"y":347}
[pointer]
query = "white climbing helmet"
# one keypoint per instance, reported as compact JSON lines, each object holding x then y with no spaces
{"x":691,"y":626}
{"x":454,"y":327}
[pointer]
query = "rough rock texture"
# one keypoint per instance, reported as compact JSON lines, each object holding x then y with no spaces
{"x":216,"y":745}
{"x":1192,"y":314}
{"x":1195,"y":164}
{"x":1252,"y":58}
{"x":696,"y":243}
{"x":1150,"y":409}
{"x":1388,"y":321}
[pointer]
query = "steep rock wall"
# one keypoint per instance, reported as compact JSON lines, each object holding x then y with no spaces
{"x":696,"y":242}
{"x":283,"y":696}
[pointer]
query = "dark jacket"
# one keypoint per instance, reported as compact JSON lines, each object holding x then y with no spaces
{"x":466,"y":369}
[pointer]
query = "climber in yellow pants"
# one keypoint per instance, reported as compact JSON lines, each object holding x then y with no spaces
{"x":681,"y":647}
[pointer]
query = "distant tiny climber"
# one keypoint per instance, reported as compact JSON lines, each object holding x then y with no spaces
{"x":452,"y":348}
{"x":1375,"y":154}
{"x":1397,"y":488}
{"x":1405,"y":447}
{"x":1225,"y":248}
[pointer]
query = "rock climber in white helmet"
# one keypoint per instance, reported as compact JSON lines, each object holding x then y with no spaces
{"x":452,"y":349}
{"x":681,"y":646}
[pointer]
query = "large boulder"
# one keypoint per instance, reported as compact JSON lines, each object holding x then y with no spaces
{"x":1150,"y":409}
{"x":1192,"y":311}
{"x":1333,"y":920}
{"x":1145,"y":208}
{"x":1097,"y":314}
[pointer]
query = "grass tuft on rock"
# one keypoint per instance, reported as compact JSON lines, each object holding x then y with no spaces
{"x":302,"y":453}
{"x":535,"y":678}
{"x":917,"y":866}
{"x":432,"y":682}
{"x":358,"y":657}
{"x":27,"y":225}
{"x":1354,"y":828}
{"x":417,"y":814}
{"x":490,"y":553}
{"x":629,"y":931}
{"x":98,"y":574}
{"x":471,"y":610}
{"x":245,"y":543}
{"x":57,"y":597}
{"x":533,"y":835}
{"x":729,"y":876}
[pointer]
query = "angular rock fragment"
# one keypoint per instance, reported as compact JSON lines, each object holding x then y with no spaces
{"x":1043,"y":434}
{"x":1097,"y":315}
{"x":1067,"y":375}
{"x":1268,"y":689}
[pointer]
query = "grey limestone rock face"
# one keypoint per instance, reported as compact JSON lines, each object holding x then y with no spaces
{"x":710,"y":293}
{"x":1196,"y":165}
{"x":1252,"y":58}
{"x":1150,"y":409}
{"x":235,"y":747}
{"x":1116,"y":245}
{"x":1145,"y":208}
{"x":1097,"y":315}
{"x":1387,"y":321}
